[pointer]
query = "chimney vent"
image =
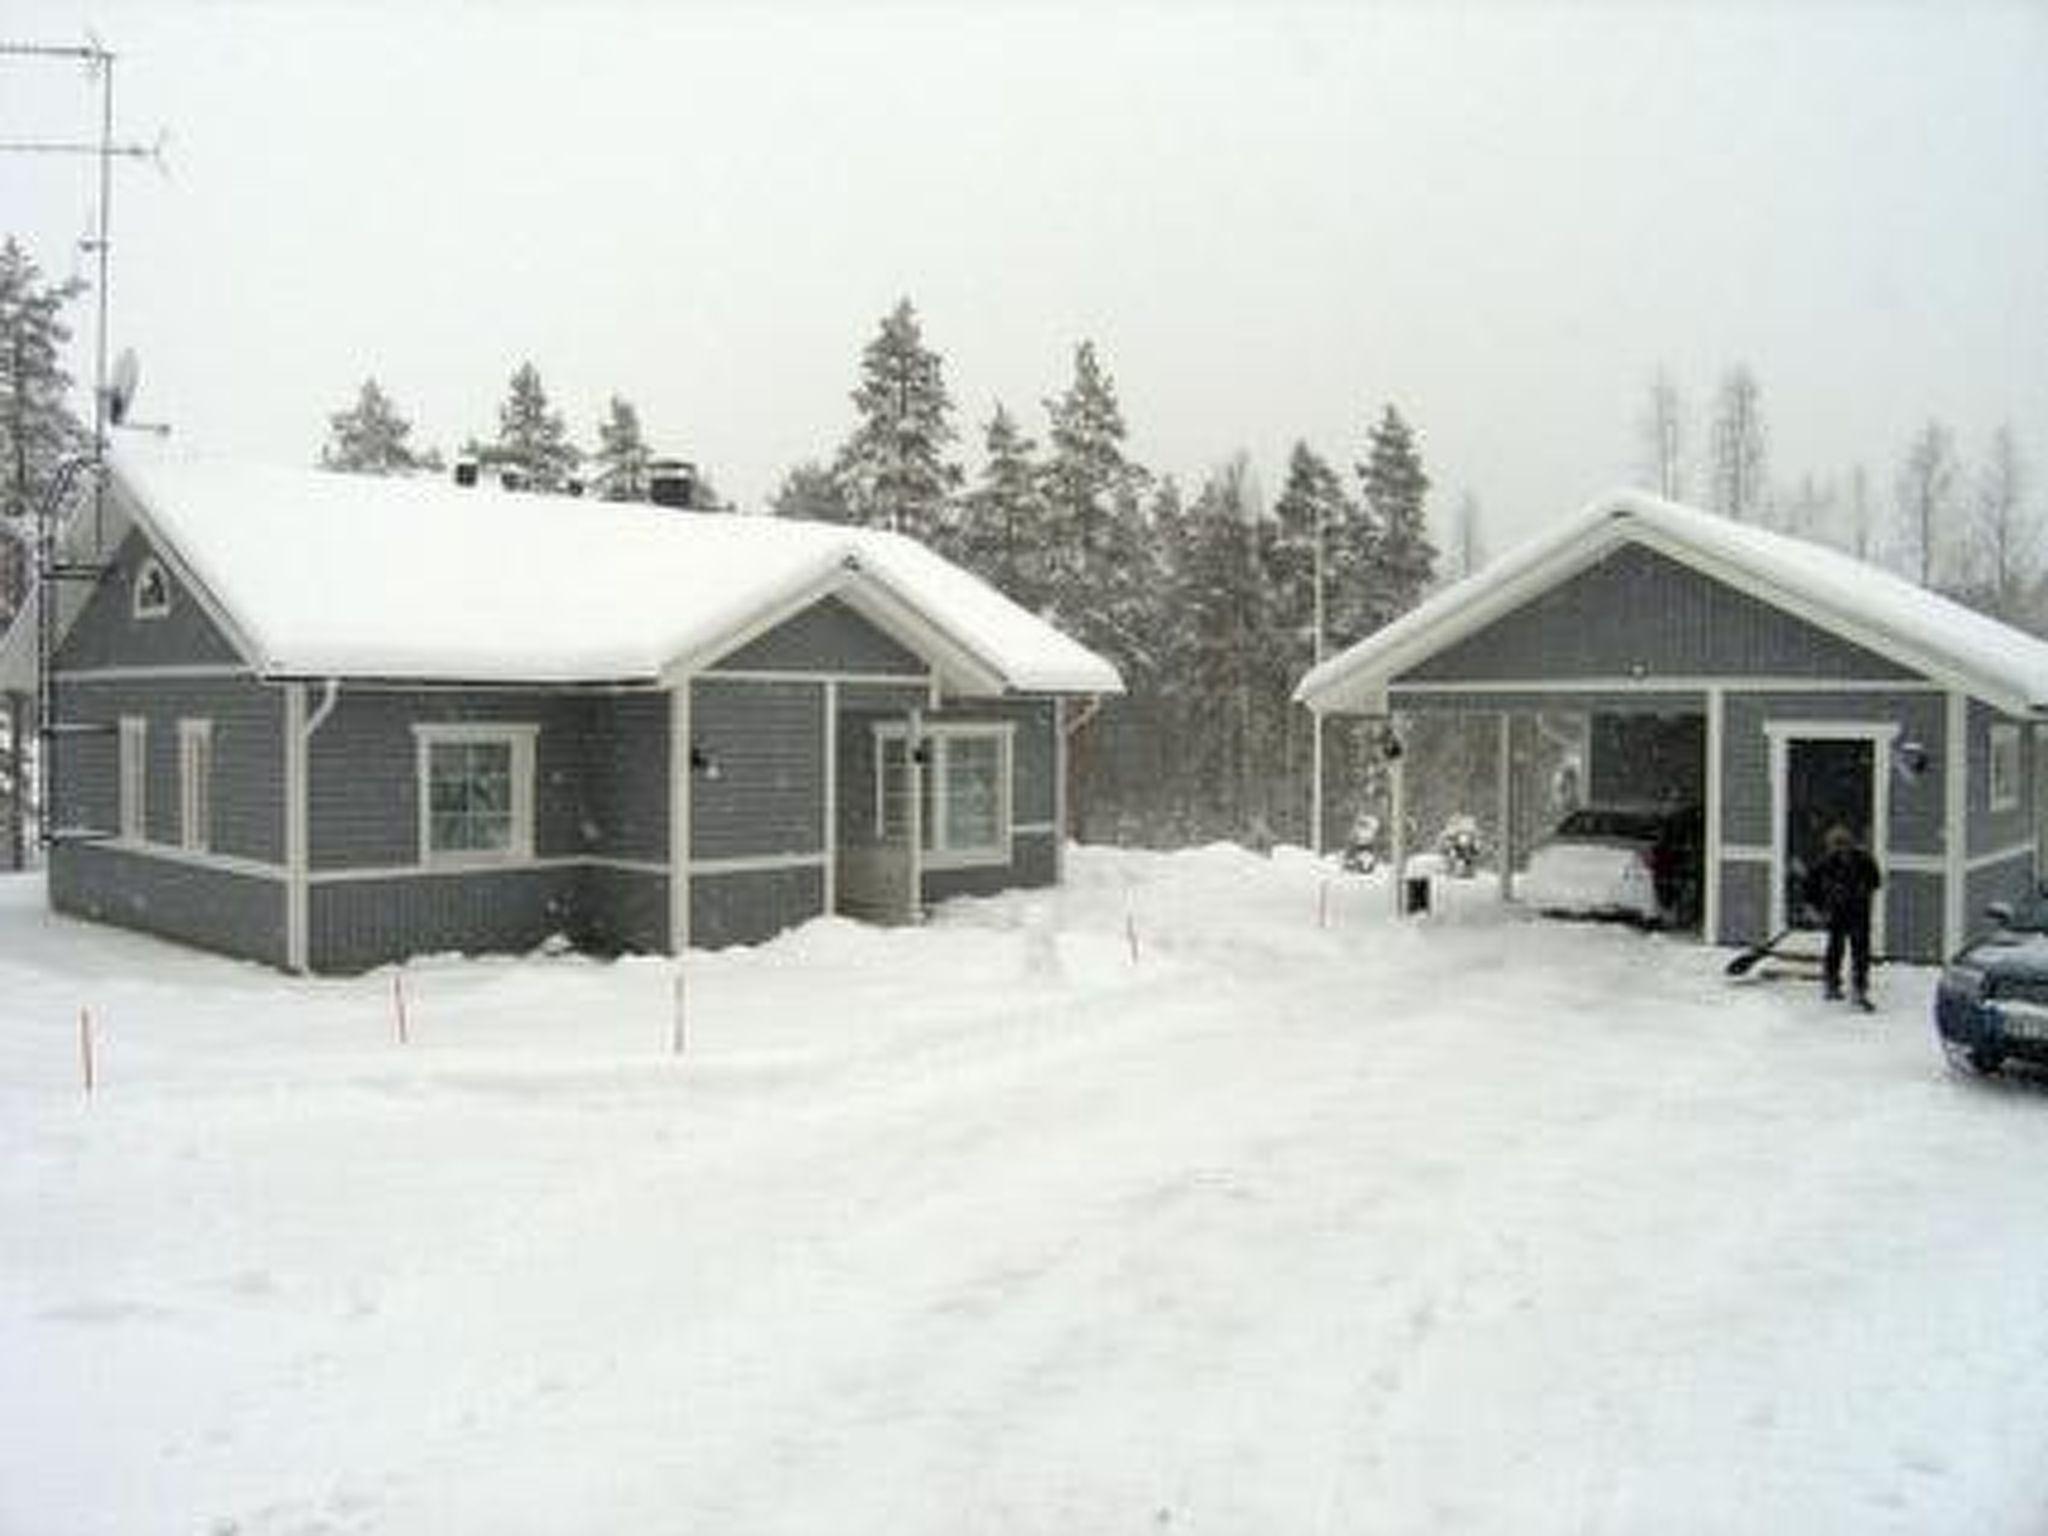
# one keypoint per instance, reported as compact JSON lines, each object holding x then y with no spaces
{"x":672,"y":483}
{"x":465,"y":471}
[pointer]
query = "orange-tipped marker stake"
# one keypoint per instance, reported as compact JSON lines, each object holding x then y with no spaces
{"x":398,"y":1005}
{"x":85,"y":1060}
{"x":676,"y":1035}
{"x":1131,"y":933}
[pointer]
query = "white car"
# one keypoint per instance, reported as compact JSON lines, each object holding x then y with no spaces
{"x":1636,"y":862}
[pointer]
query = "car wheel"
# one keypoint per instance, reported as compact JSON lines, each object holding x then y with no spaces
{"x":1977,"y":1060}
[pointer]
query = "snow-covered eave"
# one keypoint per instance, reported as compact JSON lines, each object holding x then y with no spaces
{"x":1357,"y":680}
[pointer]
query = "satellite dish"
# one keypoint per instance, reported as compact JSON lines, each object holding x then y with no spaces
{"x":121,"y":387}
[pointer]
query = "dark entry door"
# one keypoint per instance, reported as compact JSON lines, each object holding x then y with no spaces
{"x":1827,"y":783}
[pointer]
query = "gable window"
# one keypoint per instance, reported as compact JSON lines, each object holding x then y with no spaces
{"x":964,"y":804}
{"x":2003,"y":768}
{"x":475,"y":793}
{"x":152,"y":590}
{"x":134,"y":779}
{"x":195,"y":785}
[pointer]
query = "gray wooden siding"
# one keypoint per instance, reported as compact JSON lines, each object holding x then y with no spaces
{"x":1989,"y":830}
{"x":1612,"y":701}
{"x":1034,"y":861}
{"x":248,"y":759}
{"x":363,"y":784}
{"x":1917,"y":805}
{"x":828,"y":636}
{"x":2008,"y":880}
{"x":1745,"y":902}
{"x":1912,"y":915}
{"x":1647,"y":757}
{"x":233,"y":914}
{"x":747,"y":907}
{"x":621,"y":910}
{"x":107,"y":633}
{"x":766,"y":742}
{"x":353,"y":925}
{"x":1639,"y":613}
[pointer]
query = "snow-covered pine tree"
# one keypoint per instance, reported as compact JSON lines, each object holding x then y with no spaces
{"x":1738,"y":449}
{"x":622,"y":453}
{"x":1310,"y":509}
{"x":1102,"y":572}
{"x":532,"y":442}
{"x":894,"y":471}
{"x":1393,"y":485}
{"x":1223,"y":603}
{"x":1000,"y":531}
{"x":811,"y":490}
{"x":37,"y":427}
{"x":369,"y":438}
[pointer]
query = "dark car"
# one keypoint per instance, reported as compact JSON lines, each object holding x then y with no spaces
{"x":1639,"y":862}
{"x":1991,"y":1004}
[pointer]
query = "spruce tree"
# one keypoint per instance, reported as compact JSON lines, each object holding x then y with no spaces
{"x":622,"y":453}
{"x":894,"y":471}
{"x":1102,"y":575}
{"x":1000,"y":532}
{"x":1394,"y":487}
{"x":37,"y":426}
{"x":532,"y":442}
{"x":369,"y":438}
{"x":811,"y":490}
{"x":1311,"y":509}
{"x":1222,"y":601}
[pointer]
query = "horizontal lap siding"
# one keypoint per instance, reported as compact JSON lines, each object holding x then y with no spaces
{"x":622,"y":807}
{"x":621,"y":910}
{"x":1745,"y":902}
{"x":828,"y":636}
{"x":750,"y":906}
{"x":2008,"y":880}
{"x":1034,"y":861}
{"x":107,"y":633}
{"x":766,"y":746}
{"x":1639,"y":613}
{"x":1912,"y":915}
{"x":234,"y":914}
{"x":1994,"y":831}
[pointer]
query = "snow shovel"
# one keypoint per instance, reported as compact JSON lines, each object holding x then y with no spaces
{"x":1746,"y":962}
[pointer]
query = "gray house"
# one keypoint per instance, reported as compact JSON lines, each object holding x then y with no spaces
{"x":1779,"y":685}
{"x":328,"y":721}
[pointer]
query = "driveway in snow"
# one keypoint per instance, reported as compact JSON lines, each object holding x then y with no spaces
{"x":1473,"y":1223}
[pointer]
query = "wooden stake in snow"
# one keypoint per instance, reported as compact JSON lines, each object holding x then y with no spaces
{"x":85,"y":1060}
{"x":677,"y":1035}
{"x":1323,"y":905}
{"x":1131,"y":932}
{"x":398,"y":1006}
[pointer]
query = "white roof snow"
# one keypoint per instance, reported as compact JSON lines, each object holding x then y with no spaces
{"x":324,"y":575}
{"x":1873,"y":608}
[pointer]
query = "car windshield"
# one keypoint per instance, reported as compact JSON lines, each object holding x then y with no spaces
{"x":1634,"y":826}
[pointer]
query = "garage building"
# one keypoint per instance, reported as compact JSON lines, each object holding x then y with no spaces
{"x":1781,"y":686}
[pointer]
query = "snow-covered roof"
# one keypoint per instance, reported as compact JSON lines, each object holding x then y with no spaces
{"x":1873,"y":608}
{"x":319,"y":574}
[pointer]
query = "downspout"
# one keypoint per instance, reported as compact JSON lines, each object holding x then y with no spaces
{"x":298,"y":840}
{"x":1069,"y":729}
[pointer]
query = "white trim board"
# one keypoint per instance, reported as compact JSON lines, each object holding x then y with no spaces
{"x":759,"y":863}
{"x":918,"y":680}
{"x":139,"y":674}
{"x":506,"y":867}
{"x":1997,"y":856}
{"x":1732,"y":684}
{"x":170,"y":853}
{"x":1880,"y":734}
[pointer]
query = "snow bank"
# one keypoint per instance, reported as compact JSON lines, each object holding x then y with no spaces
{"x":1303,"y":1220}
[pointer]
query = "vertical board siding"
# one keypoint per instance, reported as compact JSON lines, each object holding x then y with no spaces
{"x":353,"y":925}
{"x":828,"y":636}
{"x":766,"y":745}
{"x":620,"y":911}
{"x":248,"y":759}
{"x":1639,"y":613}
{"x":749,"y":906}
{"x":1034,"y":861}
{"x":233,"y":914}
{"x":107,"y":633}
{"x":1912,"y":915}
{"x":1745,"y":902}
{"x":622,"y":794}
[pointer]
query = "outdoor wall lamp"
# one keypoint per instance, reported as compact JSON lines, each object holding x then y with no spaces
{"x":701,"y":761}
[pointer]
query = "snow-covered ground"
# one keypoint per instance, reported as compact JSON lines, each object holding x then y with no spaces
{"x":1472,"y":1223}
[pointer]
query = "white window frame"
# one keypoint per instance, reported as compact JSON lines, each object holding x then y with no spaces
{"x":2002,"y":767}
{"x":938,"y":852}
{"x":521,"y":739}
{"x":150,"y":570}
{"x":195,"y":785}
{"x":132,"y":779}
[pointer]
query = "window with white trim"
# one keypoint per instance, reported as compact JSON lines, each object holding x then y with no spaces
{"x":152,"y":593}
{"x":475,"y":793}
{"x":195,"y":785}
{"x":134,"y":778}
{"x":964,"y":807}
{"x":2002,"y":766}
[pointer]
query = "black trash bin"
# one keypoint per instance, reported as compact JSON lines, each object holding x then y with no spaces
{"x":1415,"y":895}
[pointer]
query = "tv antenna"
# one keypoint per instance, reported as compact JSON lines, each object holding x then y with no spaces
{"x":105,"y":149}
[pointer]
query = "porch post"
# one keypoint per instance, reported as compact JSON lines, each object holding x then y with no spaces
{"x":1710,"y":851}
{"x":679,"y":771}
{"x":1315,"y":782}
{"x":1397,"y":809}
{"x":829,"y":813}
{"x":1505,"y":786}
{"x":1955,"y":787}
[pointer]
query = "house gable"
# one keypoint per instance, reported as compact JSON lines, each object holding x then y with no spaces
{"x":827,"y":636}
{"x":110,"y":631}
{"x":1636,"y":613}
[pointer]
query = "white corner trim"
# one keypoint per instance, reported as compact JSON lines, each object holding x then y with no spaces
{"x":1711,"y":855}
{"x":213,"y":863}
{"x":296,"y":828}
{"x":679,"y":814}
{"x":828,"y":811}
{"x":1956,"y":821}
{"x":150,"y":674}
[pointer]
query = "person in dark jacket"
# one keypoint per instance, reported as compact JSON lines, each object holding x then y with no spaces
{"x":1840,"y":886}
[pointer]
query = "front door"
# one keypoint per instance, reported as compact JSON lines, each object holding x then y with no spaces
{"x":1826,"y":782}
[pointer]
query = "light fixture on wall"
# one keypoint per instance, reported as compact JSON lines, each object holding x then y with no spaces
{"x":701,"y":761}
{"x":1910,"y":759}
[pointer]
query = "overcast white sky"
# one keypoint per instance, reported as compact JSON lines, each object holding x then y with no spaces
{"x":1271,"y":218}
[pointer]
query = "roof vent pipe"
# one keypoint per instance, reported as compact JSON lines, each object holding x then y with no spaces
{"x":672,"y":483}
